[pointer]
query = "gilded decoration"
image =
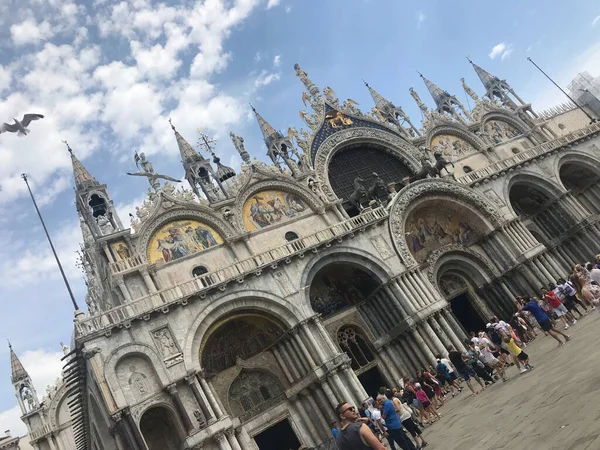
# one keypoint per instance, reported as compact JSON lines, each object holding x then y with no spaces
{"x":181,"y":238}
{"x":436,"y":225}
{"x":500,"y":131}
{"x":120,"y":250}
{"x":339,"y":286}
{"x":451,"y":147}
{"x":266,"y":208}
{"x":241,"y":336}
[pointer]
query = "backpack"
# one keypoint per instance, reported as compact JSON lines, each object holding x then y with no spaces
{"x":494,"y":336}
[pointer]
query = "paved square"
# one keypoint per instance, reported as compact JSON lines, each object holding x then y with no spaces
{"x":557,"y":406}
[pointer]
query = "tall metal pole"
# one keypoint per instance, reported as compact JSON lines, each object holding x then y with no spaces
{"x":24,"y":176}
{"x":592,"y":120}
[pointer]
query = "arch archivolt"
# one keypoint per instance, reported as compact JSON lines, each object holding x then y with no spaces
{"x":548,"y":185}
{"x":419,"y":193}
{"x":257,"y":302}
{"x":460,"y":132}
{"x":502,"y":116}
{"x":389,"y":142}
{"x":585,"y":160}
{"x":132,"y":350}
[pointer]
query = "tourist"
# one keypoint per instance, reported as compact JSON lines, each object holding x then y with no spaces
{"x":335,"y":429}
{"x":566,"y":294}
{"x":478,"y":366}
{"x":410,"y":426}
{"x":542,"y":319}
{"x":496,"y":332}
{"x":379,"y":425}
{"x":516,"y":351}
{"x":559,"y":309}
{"x":353,"y":434}
{"x":586,"y":291}
{"x":433,"y":381}
{"x":425,"y":401}
{"x":458,"y":359}
{"x":594,"y":273}
{"x":486,"y":356}
{"x":394,"y":426}
{"x":444,"y":377}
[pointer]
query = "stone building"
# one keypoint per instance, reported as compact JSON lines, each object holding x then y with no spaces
{"x":236,"y":316}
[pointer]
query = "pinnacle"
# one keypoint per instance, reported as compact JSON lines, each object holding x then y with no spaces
{"x":267,"y":130}
{"x":18,"y":372}
{"x":83,"y":179}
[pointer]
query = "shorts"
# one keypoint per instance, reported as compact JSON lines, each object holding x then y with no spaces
{"x":416,"y":403}
{"x":426,"y":404}
{"x":523,"y":356}
{"x":453,"y":376}
{"x":412,"y":427}
{"x":560,"y":311}
{"x":504,"y":351}
{"x":546,"y":325}
{"x":467,"y":373}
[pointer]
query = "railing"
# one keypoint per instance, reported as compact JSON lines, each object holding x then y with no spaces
{"x":126,"y":264}
{"x":218,"y":278}
{"x":527,"y":155}
{"x":39,"y":432}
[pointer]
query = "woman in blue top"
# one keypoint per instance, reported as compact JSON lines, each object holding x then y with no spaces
{"x":542,"y":318}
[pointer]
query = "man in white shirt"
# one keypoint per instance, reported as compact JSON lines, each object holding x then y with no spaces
{"x":594,"y":273}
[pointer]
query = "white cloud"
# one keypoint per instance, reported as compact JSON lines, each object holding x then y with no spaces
{"x":420,"y":18}
{"x":30,"y":32}
{"x":502,"y":50}
{"x":277,"y":61}
{"x":272,"y":3}
{"x":595,"y":21}
{"x":43,"y":368}
{"x":265,"y":78}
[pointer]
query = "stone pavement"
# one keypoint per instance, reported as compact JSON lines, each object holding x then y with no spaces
{"x":556,"y":406}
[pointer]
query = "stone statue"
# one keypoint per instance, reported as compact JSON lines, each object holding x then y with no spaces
{"x":418,"y":100}
{"x":148,"y":172}
{"x":238,"y":143}
{"x":141,"y":160}
{"x":470,"y":92}
{"x":27,"y":396}
{"x":199,"y":417}
{"x":104,"y":224}
{"x":378,"y":189}
{"x":331,"y":96}
{"x":138,"y":381}
{"x":65,"y":349}
{"x":315,"y":187}
{"x":167,"y":345}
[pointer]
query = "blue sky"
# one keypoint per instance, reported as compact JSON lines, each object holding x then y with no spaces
{"x":108,"y":76}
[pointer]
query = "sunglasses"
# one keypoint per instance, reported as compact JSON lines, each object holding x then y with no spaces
{"x":350,"y":408}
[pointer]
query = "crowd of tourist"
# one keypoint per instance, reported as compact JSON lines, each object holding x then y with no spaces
{"x":398,"y":415}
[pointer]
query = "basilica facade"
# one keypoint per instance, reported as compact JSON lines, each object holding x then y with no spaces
{"x":235,"y":316}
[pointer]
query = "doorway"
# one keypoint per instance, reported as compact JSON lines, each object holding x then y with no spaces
{"x":372,"y":380}
{"x":466,"y":314}
{"x":280,"y":436}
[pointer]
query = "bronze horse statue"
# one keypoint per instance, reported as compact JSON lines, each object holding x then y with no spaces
{"x":359,"y":194}
{"x":440,"y":164}
{"x":378,"y":189}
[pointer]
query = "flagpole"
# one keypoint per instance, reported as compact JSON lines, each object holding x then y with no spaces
{"x":24,"y":176}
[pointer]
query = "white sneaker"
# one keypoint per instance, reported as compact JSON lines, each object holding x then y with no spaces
{"x":523,"y":370}
{"x":574,"y":321}
{"x":566,"y":327}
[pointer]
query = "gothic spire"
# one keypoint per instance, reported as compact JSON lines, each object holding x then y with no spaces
{"x":188,"y":154}
{"x":486,"y":78}
{"x":83,"y":179}
{"x":18,"y":371}
{"x":390,"y":112}
{"x":439,"y":95}
{"x":379,"y":100}
{"x":268,"y":131}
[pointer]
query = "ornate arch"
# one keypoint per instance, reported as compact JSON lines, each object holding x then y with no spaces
{"x":252,"y":391}
{"x":60,"y":396}
{"x":588,"y":161}
{"x":290,"y":186}
{"x":253,"y":301}
{"x":389,"y":141}
{"x":457,"y":131}
{"x":460,"y":194}
{"x":477,"y":260}
{"x":180,"y":212}
{"x":504,"y":116}
{"x":138,"y":349}
{"x":550,"y":188}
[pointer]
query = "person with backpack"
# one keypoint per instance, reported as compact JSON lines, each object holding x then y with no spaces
{"x":542,"y":319}
{"x":444,"y":372}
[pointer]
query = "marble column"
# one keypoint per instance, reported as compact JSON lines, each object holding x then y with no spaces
{"x":329,"y":392}
{"x":123,"y":430}
{"x":449,"y":329}
{"x":232,"y":439}
{"x":403,"y":297}
{"x":367,"y":313}
{"x":148,"y":280}
{"x":293,"y":358}
{"x":181,"y":412}
{"x":283,"y":366}
{"x":423,"y":348}
{"x":421,"y":293}
{"x":342,"y":389}
{"x":212,"y":400}
{"x":412,"y":293}
{"x":222,"y":441}
{"x":433,"y":335}
{"x":426,"y":339}
{"x":316,"y":411}
{"x":316,"y":346}
{"x":385,"y":358}
{"x":123,"y":289}
{"x":388,"y":308}
{"x":51,"y":443}
{"x":135,"y":431}
{"x":395,"y":299}
{"x":192,"y":381}
{"x":354,"y":383}
{"x":397,"y":359}
{"x":306,"y":420}
{"x":441,"y":333}
{"x":303,"y":349}
{"x":334,"y":350}
{"x":404,"y":346}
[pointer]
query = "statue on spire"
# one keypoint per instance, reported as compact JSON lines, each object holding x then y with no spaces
{"x":470,"y":92}
{"x":312,"y":88}
{"x":420,"y":104}
{"x":148,"y":172}
{"x":238,"y":143}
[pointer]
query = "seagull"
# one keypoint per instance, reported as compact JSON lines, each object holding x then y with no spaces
{"x":20,"y":127}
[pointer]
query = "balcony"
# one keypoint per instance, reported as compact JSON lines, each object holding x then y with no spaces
{"x":126,"y":264}
{"x":523,"y":157}
{"x":123,"y":314}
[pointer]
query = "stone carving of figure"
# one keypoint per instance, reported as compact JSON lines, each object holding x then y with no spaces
{"x":470,"y":92}
{"x":142,"y":161}
{"x":418,"y":99}
{"x":302,"y":75}
{"x":27,"y":396}
{"x":139,"y":382}
{"x":198,"y":415}
{"x":65,"y":349}
{"x":238,"y":143}
{"x":104,"y":225}
{"x":331,"y":96}
{"x":167,"y":345}
{"x":315,"y":187}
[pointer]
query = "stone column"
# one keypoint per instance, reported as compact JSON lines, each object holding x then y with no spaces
{"x":148,"y":280}
{"x":496,"y":238}
{"x":123,"y":289}
{"x":303,"y":349}
{"x":192,"y":381}
{"x":387,"y":307}
{"x":395,"y":300}
{"x":329,"y":392}
{"x":314,"y":407}
{"x":426,"y":353}
{"x":397,"y":358}
{"x":307,"y":334}
{"x":232,"y":439}
{"x":222,"y":441}
{"x":384,"y":357}
{"x":325,"y":335}
{"x":407,"y":286}
{"x":449,"y":329}
{"x":293,"y":357}
{"x":421,"y":291}
{"x":366,"y":312}
{"x":540,"y":262}
{"x":515,"y":240}
{"x":50,"y":440}
{"x":244,"y":439}
{"x":409,"y":356}
{"x":122,"y":429}
{"x":433,"y":335}
{"x":283,"y":366}
{"x":354,"y":383}
{"x":341,"y":387}
{"x":212,"y":400}
{"x":181,"y":412}
{"x":288,"y":361}
{"x":135,"y":431}
{"x":443,"y":336}
{"x":402,"y":297}
{"x":306,"y":419}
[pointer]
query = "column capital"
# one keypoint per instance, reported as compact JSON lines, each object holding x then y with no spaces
{"x":172,"y":389}
{"x":229,"y":432}
{"x":220,"y":438}
{"x":118,"y":416}
{"x":293,"y":331}
{"x":190,"y":378}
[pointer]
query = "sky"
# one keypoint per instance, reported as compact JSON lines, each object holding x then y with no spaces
{"x":108,"y":74}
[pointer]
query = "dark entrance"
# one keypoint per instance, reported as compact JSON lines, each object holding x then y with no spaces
{"x":466,"y":314}
{"x":372,"y":380}
{"x":279,"y":436}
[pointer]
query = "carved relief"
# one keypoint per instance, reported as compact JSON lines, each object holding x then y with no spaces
{"x":494,"y":197}
{"x":284,"y":282}
{"x":167,"y":346}
{"x":451,"y":147}
{"x":382,"y":247}
{"x":500,"y":131}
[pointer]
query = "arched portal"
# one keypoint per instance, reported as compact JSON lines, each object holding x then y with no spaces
{"x":582,"y":180}
{"x":242,"y":335}
{"x":361,"y":161}
{"x":340,"y":285}
{"x":160,"y":429}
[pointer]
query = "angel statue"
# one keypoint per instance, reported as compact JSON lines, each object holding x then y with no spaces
{"x":350,"y":106}
{"x":307,"y":118}
{"x":148,"y":172}
{"x":470,"y":92}
{"x":331,"y":96}
{"x":418,"y":100}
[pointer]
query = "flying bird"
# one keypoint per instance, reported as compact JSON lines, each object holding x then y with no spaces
{"x":20,"y":127}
